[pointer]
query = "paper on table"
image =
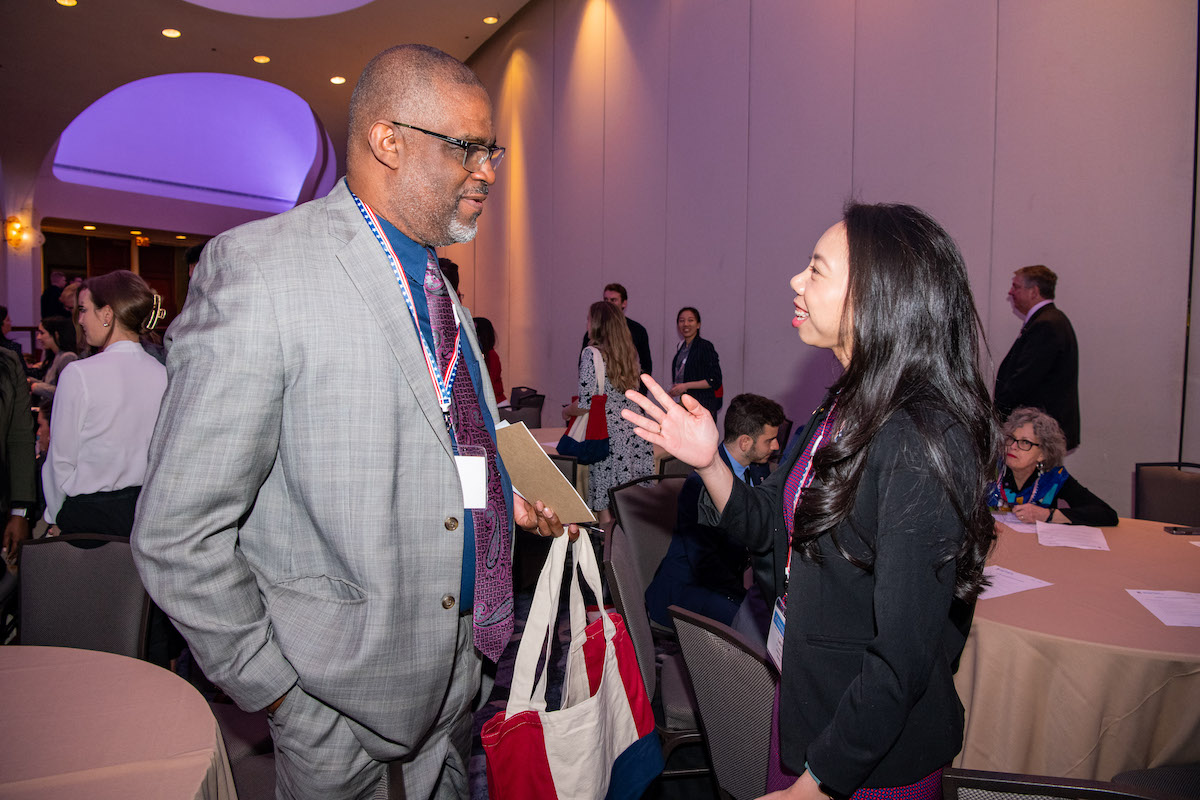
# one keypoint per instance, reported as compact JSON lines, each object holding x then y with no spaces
{"x":1005,"y":581}
{"x":1177,"y":609}
{"x":535,"y":477}
{"x":1010,"y":519}
{"x":1085,"y":537}
{"x":1197,"y":543}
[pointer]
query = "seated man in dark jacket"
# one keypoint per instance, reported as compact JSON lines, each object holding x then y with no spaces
{"x":704,"y":570}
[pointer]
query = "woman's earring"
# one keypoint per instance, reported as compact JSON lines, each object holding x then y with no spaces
{"x":1040,"y":468}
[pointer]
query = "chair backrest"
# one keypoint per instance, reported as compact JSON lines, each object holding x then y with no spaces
{"x":670,"y":465}
{"x":8,"y":604}
{"x":567,"y":465}
{"x":969,"y":784}
{"x":629,"y":596}
{"x":735,"y":693}
{"x":530,"y":415}
{"x":83,"y":590}
{"x":518,"y":395}
{"x":646,"y":509}
{"x":1165,"y":491}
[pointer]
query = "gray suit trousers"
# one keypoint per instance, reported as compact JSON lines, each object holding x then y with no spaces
{"x":319,"y":754}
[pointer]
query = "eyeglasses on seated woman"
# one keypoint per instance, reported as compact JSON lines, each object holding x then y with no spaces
{"x":1034,"y":484}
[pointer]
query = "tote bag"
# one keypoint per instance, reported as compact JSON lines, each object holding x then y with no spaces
{"x":602,"y":742}
{"x":587,"y":438}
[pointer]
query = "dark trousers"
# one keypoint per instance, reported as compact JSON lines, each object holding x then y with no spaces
{"x":100,"y":512}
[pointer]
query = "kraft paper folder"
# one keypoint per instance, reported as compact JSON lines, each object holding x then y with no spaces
{"x":535,"y":477}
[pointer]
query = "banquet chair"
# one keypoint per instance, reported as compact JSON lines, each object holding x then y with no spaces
{"x":676,"y":724}
{"x":645,"y":508}
{"x":83,"y":590}
{"x":1164,"y":492}
{"x":567,"y":465}
{"x":521,"y":397}
{"x":530,"y":415}
{"x":518,"y":394}
{"x":969,"y":784}
{"x":735,"y":693}
{"x":670,"y":465}
{"x":1178,"y":780}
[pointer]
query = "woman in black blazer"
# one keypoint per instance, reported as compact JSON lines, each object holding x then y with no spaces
{"x":883,"y":508}
{"x":696,"y":368}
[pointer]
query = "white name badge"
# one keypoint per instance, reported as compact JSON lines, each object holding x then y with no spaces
{"x":775,"y":634}
{"x":472,"y":474}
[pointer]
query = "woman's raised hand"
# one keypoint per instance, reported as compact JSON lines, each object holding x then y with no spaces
{"x":686,"y":431}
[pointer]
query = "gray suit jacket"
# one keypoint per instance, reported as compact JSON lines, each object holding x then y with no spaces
{"x":301,"y":520}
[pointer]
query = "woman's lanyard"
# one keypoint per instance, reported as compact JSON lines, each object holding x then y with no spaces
{"x":806,"y":478}
{"x":443,"y":383}
{"x":802,"y":467}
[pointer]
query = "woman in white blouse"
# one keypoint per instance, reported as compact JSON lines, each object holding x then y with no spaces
{"x":105,"y":408}
{"x":56,"y":336}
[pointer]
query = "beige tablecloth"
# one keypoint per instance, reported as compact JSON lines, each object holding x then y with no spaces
{"x":83,"y":724}
{"x":1078,"y":679}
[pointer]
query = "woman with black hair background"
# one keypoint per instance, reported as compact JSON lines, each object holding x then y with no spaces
{"x":878,"y":522}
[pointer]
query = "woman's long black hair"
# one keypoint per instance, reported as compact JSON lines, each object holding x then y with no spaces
{"x":916,"y":346}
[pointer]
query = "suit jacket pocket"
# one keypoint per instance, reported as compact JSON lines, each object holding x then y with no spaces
{"x":319,"y":622}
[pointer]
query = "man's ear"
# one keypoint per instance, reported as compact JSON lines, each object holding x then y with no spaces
{"x":385,"y":145}
{"x":745,"y":442}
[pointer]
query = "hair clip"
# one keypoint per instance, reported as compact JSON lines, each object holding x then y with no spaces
{"x":157,"y":312}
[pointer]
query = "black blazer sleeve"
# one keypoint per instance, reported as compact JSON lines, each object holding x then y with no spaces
{"x":1085,"y":507}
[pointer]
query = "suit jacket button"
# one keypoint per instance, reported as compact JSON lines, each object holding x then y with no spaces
{"x":451,"y":524}
{"x":448,"y":601}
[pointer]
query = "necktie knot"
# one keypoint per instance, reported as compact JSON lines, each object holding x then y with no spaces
{"x":433,"y":276}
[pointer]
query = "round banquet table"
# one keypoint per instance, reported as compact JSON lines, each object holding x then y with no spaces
{"x":1078,"y":679}
{"x":80,"y":723}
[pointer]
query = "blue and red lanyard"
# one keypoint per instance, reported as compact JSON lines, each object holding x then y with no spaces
{"x":798,"y":480}
{"x":443,"y":382}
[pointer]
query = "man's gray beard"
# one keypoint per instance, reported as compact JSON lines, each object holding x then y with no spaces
{"x":461,"y":232}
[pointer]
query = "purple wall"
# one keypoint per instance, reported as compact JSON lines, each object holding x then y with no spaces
{"x":696,"y":150}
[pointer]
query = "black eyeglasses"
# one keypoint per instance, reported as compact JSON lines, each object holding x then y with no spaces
{"x":1022,"y":444}
{"x":475,"y":155}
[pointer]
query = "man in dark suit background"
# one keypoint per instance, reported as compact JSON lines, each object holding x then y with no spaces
{"x":615,"y":293}
{"x":704,"y":570}
{"x":1042,"y":367}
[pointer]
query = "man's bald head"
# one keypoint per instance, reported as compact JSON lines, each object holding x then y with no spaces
{"x":402,"y":83}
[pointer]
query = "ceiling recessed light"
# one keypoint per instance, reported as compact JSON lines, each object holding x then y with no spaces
{"x":262,"y":59}
{"x":67,"y":3}
{"x":89,"y":227}
{"x":490,"y":20}
{"x":180,"y":236}
{"x":337,"y":80}
{"x":171,"y":33}
{"x":136,"y":233}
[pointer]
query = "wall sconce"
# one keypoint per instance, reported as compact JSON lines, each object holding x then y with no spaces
{"x":14,"y":232}
{"x":19,"y":235}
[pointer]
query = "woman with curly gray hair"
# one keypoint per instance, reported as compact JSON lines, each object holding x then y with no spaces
{"x":1034,"y":481}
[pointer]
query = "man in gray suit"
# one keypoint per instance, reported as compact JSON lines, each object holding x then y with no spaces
{"x":325,"y":517}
